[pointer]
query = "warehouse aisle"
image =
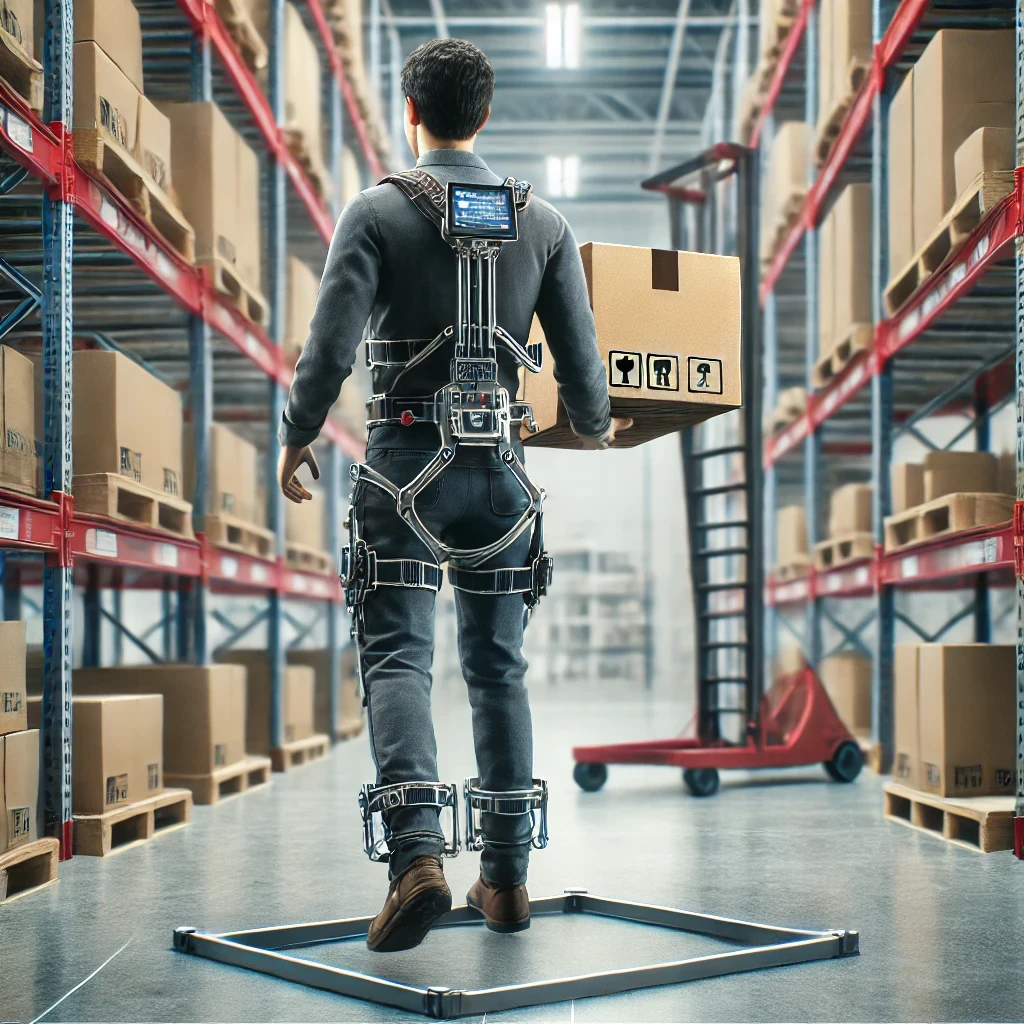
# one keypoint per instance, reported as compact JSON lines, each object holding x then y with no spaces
{"x":936,"y":922}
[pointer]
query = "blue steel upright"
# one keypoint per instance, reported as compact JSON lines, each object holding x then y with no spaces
{"x":1019,"y":822}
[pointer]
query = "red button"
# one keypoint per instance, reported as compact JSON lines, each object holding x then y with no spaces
{"x":407,"y":418}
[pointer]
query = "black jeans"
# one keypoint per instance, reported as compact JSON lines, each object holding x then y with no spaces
{"x":472,"y":503}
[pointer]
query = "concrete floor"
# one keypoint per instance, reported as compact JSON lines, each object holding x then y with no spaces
{"x":941,"y":928}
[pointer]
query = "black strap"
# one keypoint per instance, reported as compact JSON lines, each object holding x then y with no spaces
{"x":407,"y":572}
{"x":421,"y":409}
{"x":424,"y":190}
{"x":491,"y":581}
{"x":394,"y":353}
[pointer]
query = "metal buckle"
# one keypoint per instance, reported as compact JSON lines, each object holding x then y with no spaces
{"x":541,"y":573}
{"x":513,"y":803}
{"x":358,"y":572}
{"x":376,"y":800}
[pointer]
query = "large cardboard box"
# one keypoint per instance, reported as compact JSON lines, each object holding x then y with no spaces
{"x":959,"y":473}
{"x":116,"y":750}
{"x":984,"y":151}
{"x":850,"y":42}
{"x":906,"y":742}
{"x":902,"y":243}
{"x":13,"y":698}
{"x":852,"y":303}
{"x":668,"y":330}
{"x":126,"y":421}
{"x":19,"y":788}
{"x":232,"y":475}
{"x":963,"y":81}
{"x":303,"y":289}
{"x":847,"y":681}
{"x":17,"y":20}
{"x":204,"y":709}
{"x":153,"y":142}
{"x":827,"y":285}
{"x":105,"y":99}
{"x":250,"y":264}
{"x":299,"y":685}
{"x":305,"y":523}
{"x":18,"y":460}
{"x":349,"y":706}
{"x":966,"y":706}
{"x":827,"y":75}
{"x":303,"y":92}
{"x":351,"y":183}
{"x":850,"y":510}
{"x":789,"y":165}
{"x":791,"y":536}
{"x":907,"y":485}
{"x":789,"y":660}
{"x":113,"y":25}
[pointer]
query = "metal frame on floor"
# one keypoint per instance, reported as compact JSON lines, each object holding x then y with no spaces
{"x":258,"y":950}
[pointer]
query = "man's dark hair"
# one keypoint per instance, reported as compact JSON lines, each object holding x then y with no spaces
{"x":451,"y":82}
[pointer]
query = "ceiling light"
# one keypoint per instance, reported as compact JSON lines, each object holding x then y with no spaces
{"x":571,"y":176}
{"x":553,"y":32}
{"x":571,"y":36}
{"x":555,"y":180}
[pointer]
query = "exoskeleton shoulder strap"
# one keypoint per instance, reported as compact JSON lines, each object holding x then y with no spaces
{"x":424,"y":190}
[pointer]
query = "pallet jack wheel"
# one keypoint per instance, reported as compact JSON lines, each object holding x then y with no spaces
{"x":846,"y":762}
{"x":701,"y":781}
{"x":590,"y":777}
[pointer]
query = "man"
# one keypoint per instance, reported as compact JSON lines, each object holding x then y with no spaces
{"x":390,"y":266}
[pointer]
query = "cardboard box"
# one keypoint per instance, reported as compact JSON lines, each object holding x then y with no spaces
{"x":958,"y":473}
{"x":105,"y":100}
{"x":851,"y":41}
{"x":203,"y":709}
{"x":902,"y":243}
{"x":850,"y":510}
{"x":906,"y":742}
{"x":18,"y":461}
{"x":297,"y":705}
{"x":19,"y":788}
{"x":17,"y":20}
{"x":789,"y":660}
{"x":851,"y":217}
{"x":966,"y":706}
{"x":827,"y":285}
{"x":232,"y":475}
{"x":668,"y":330}
{"x":13,"y":698}
{"x":791,"y":539}
{"x":247,"y":197}
{"x":846,"y":678}
{"x":303,"y":289}
{"x":116,"y":750}
{"x":126,"y":421}
{"x":907,"y":485}
{"x":1006,"y":473}
{"x":153,"y":143}
{"x":963,"y":81}
{"x":789,"y":165}
{"x":304,"y":524}
{"x":826,"y":74}
{"x":984,"y":151}
{"x":350,"y":704}
{"x":303,"y":90}
{"x":351,"y":183}
{"x":113,"y":25}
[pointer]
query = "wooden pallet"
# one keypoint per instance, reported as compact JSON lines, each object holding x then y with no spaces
{"x":238,"y":293}
{"x":952,"y":513}
{"x":242,"y":30}
{"x":829,"y":127}
{"x":984,"y":193}
{"x":309,"y":160}
{"x":837,"y":551}
{"x":20,"y":72}
{"x":28,"y":868}
{"x":858,"y":338}
{"x":109,"y":163}
{"x":124,"y":499}
{"x":351,"y":727}
{"x":232,"y":780}
{"x":792,"y":571}
{"x":790,"y":406}
{"x":300,"y":752}
{"x":233,"y":534}
{"x":979,"y":823}
{"x":308,"y":559}
{"x":99,"y":835}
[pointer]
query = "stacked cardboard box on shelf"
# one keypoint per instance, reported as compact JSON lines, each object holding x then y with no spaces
{"x":19,"y":52}
{"x":785,"y":184}
{"x":792,"y":556}
{"x":303,"y":127}
{"x":349,"y":719}
{"x":850,"y":536}
{"x":18,"y":461}
{"x":790,"y":405}
{"x":844,"y":55}
{"x":305,"y":535}
{"x":351,"y":183}
{"x":19,"y":745}
{"x":303,"y":289}
{"x":846,"y":678}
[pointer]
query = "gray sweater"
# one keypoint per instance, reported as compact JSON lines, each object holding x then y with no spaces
{"x":390,"y":266}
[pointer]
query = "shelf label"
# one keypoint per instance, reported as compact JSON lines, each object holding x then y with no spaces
{"x":834,"y":582}
{"x":165,"y":268}
{"x":9,"y":522}
{"x":320,"y":588}
{"x":108,"y":212}
{"x":862,"y":577}
{"x":259,"y":573}
{"x":229,"y":566}
{"x":299,"y":583}
{"x":909,"y":568}
{"x":167,"y":556}
{"x":101,"y":542}
{"x":20,"y":132}
{"x":251,"y":344}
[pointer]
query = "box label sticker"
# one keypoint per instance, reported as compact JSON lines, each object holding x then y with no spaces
{"x":131,"y":464}
{"x":228,"y":566}
{"x":220,"y":754}
{"x":1004,"y":778}
{"x":227,"y":503}
{"x":289,"y":733}
{"x":153,"y":775}
{"x":902,"y":767}
{"x":19,"y":823}
{"x":662,"y":372}
{"x":260,"y":573}
{"x":101,"y":542}
{"x":12,"y":702}
{"x":967,"y":776}
{"x":9,"y":520}
{"x":933,"y":774}
{"x":117,"y":789}
{"x":172,"y":485}
{"x":705,"y":375}
{"x":625,"y":369}
{"x":167,"y":555}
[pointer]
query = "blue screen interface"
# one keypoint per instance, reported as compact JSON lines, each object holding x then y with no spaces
{"x":487,"y":211}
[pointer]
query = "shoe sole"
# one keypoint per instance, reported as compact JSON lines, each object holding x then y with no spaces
{"x":413,"y":921}
{"x":503,"y":928}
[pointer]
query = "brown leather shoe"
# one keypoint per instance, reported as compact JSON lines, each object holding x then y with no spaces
{"x":416,"y":899}
{"x":505,"y":908}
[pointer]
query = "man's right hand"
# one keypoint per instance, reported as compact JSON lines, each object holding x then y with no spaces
{"x":593,"y":444}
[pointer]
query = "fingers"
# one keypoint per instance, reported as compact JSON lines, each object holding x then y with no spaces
{"x":310,"y":460}
{"x":294,"y":491}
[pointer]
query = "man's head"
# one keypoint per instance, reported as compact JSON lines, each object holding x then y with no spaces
{"x":448,"y":85}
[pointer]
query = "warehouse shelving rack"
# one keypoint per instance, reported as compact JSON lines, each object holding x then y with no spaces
{"x":107,"y":278}
{"x":958,"y":344}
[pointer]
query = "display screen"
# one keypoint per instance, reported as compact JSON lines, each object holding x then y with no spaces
{"x":477,"y":211}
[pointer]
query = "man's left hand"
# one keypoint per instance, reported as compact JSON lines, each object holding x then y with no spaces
{"x":287,"y":465}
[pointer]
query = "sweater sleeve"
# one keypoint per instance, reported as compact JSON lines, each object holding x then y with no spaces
{"x":347,"y":293}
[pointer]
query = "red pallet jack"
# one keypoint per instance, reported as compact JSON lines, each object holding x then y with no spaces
{"x":794,"y":722}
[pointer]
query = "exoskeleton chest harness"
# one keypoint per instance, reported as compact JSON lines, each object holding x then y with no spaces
{"x":475,"y":409}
